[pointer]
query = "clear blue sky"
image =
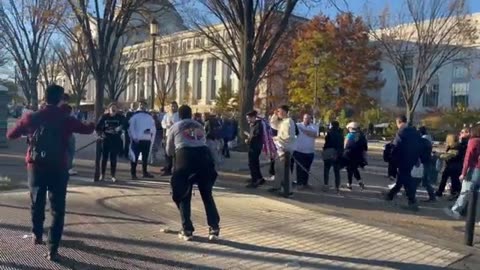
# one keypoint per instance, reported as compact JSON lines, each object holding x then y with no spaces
{"x":358,"y":7}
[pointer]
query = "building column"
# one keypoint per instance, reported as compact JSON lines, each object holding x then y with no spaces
{"x":204,"y":78}
{"x":178,"y":81}
{"x":137,"y":84}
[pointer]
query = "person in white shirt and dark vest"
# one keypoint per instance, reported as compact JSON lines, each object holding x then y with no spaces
{"x":285,"y":142}
{"x":142,"y":132}
{"x":194,"y":164}
{"x":305,"y":149}
{"x":167,"y":122}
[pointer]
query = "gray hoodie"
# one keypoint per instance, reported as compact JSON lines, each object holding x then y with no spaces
{"x":185,"y":133}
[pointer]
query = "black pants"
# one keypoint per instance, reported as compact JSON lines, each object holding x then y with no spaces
{"x":169,"y":163}
{"x":392,"y":170}
{"x":327,"y":164}
{"x":111,"y":148}
{"x":305,"y":160}
{"x":126,"y":147}
{"x":144,"y":148}
{"x":55,"y":182}
{"x":226,"y":150}
{"x":352,"y":171}
{"x":404,"y":179}
{"x":254,"y":163}
{"x":454,"y":175}
{"x":271,"y":170}
{"x":194,"y":166}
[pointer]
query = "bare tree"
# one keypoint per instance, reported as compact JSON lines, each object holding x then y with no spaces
{"x":247,"y":39}
{"x":101,"y":25}
{"x":49,"y":68}
{"x":118,"y":77}
{"x":27,"y":28}
{"x":421,"y":38}
{"x":75,"y":68}
{"x":168,"y":71}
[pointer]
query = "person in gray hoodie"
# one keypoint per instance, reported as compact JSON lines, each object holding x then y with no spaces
{"x":194,"y":164}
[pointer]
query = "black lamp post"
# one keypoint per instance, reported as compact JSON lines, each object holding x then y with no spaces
{"x":316,"y":63}
{"x":153,"y":34}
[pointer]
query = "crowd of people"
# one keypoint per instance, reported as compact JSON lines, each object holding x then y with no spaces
{"x":193,"y":144}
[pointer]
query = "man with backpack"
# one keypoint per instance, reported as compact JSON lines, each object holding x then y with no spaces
{"x":49,"y":130}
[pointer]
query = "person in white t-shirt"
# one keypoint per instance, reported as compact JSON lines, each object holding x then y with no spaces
{"x":305,"y":149}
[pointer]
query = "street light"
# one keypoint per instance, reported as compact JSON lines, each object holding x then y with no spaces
{"x":153,"y":34}
{"x":316,"y":63}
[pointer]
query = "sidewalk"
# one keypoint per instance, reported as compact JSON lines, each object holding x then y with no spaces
{"x":119,"y":227}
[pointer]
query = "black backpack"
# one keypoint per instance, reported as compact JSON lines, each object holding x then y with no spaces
{"x":46,"y":150}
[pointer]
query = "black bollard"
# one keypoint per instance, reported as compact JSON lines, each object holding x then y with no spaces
{"x":471,"y":216}
{"x":286,"y":176}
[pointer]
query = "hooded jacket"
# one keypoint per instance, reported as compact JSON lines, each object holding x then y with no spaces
{"x":141,"y":127}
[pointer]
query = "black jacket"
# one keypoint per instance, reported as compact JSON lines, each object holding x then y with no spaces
{"x":256,"y":134}
{"x":334,"y":139}
{"x":407,"y":147}
{"x":108,"y":126}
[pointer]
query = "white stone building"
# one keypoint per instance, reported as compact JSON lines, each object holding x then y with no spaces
{"x":457,"y":83}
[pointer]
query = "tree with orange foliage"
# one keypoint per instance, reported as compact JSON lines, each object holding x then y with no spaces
{"x":348,"y":64}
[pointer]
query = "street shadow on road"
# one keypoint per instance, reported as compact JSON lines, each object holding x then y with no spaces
{"x":19,"y":266}
{"x":118,"y":218}
{"x":236,"y":250}
{"x":112,"y":254}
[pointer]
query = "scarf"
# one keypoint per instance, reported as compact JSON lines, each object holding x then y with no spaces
{"x":269,"y":148}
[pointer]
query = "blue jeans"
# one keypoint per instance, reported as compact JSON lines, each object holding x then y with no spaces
{"x":473,"y":184}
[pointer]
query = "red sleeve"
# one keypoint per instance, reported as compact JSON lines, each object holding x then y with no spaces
{"x":22,"y":127}
{"x":467,"y":162}
{"x":75,"y":126}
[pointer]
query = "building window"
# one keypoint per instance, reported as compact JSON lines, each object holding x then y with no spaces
{"x":460,"y":94}
{"x":460,"y":72}
{"x":400,"y":100}
{"x":430,"y":96}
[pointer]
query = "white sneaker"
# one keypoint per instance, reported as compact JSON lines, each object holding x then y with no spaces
{"x":72,"y":172}
{"x":391,"y":186}
{"x":453,"y":214}
{"x":271,"y":178}
{"x":114,"y":179}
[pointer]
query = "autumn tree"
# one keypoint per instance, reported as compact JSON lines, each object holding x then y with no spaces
{"x":347,"y":64}
{"x":421,"y":38}
{"x":27,"y":27}
{"x":75,"y":68}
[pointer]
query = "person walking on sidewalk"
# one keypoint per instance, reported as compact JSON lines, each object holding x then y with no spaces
{"x":470,"y":176}
{"x":193,"y":165}
{"x":332,"y":153}
{"x":453,"y":157}
{"x":109,"y":127}
{"x":305,"y":150}
{"x":427,"y":162}
{"x":354,"y":154}
{"x":405,"y":153}
{"x":142,"y":132}
{"x":168,"y":120}
{"x":49,"y":130}
{"x":255,"y":145}
{"x":285,"y":142}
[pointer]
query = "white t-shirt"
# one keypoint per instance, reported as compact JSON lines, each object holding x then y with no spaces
{"x":305,"y":144}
